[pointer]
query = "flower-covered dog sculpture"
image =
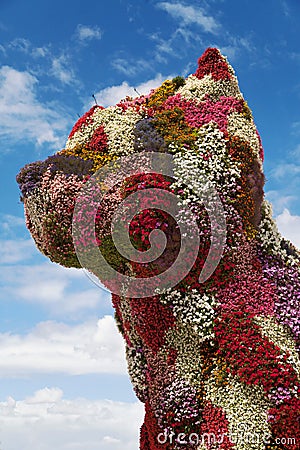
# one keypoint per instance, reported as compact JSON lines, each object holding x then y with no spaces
{"x":216,"y":362}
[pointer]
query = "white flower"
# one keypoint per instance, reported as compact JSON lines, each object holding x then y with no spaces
{"x":197,"y":89}
{"x":246,"y":409}
{"x":245,"y":129}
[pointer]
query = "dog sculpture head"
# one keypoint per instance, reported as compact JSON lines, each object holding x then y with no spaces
{"x":202,"y":121}
{"x":161,"y":197}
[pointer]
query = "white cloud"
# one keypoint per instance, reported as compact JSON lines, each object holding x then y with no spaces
{"x":20,"y":44}
{"x":296,"y":125}
{"x":113,"y":94}
{"x":47,"y":420}
{"x":235,"y":46}
{"x":9,"y":224}
{"x":164,"y":47}
{"x":190,"y":15}
{"x":22,"y":116}
{"x":295,"y":153}
{"x":129,"y":67}
{"x":285,"y":8}
{"x":176,"y":44}
{"x":87,"y":33}
{"x":46,"y":395}
{"x":296,"y":57}
{"x":39,"y":52}
{"x":13,"y":251}
{"x":59,"y":290}
{"x":145,"y":88}
{"x":25,"y":46}
{"x":279,"y":201}
{"x":289,"y":226}
{"x":92,"y":347}
{"x":230,"y":51}
{"x":286,"y":169}
{"x":62,"y":70}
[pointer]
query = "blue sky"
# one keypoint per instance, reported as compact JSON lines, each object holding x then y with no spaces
{"x":60,"y":348}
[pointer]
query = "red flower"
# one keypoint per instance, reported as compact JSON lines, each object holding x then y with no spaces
{"x":98,"y":143}
{"x":85,"y":119}
{"x":251,"y":356}
{"x":151,"y":320}
{"x":285,"y":423}
{"x":212,"y":62}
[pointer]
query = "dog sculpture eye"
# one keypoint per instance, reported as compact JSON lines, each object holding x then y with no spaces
{"x":161,"y":197}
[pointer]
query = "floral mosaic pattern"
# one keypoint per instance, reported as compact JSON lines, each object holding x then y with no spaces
{"x":217,"y":363}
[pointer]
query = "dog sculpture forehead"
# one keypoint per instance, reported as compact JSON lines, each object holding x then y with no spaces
{"x":202,"y":120}
{"x":170,"y":115}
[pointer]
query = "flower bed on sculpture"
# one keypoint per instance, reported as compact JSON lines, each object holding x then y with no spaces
{"x":215,"y":362}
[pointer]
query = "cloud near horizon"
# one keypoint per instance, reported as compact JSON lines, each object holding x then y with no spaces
{"x":92,"y":347}
{"x":289,"y":226}
{"x":47,"y":420}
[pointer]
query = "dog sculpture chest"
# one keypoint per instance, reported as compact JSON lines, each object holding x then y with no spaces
{"x":215,"y":359}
